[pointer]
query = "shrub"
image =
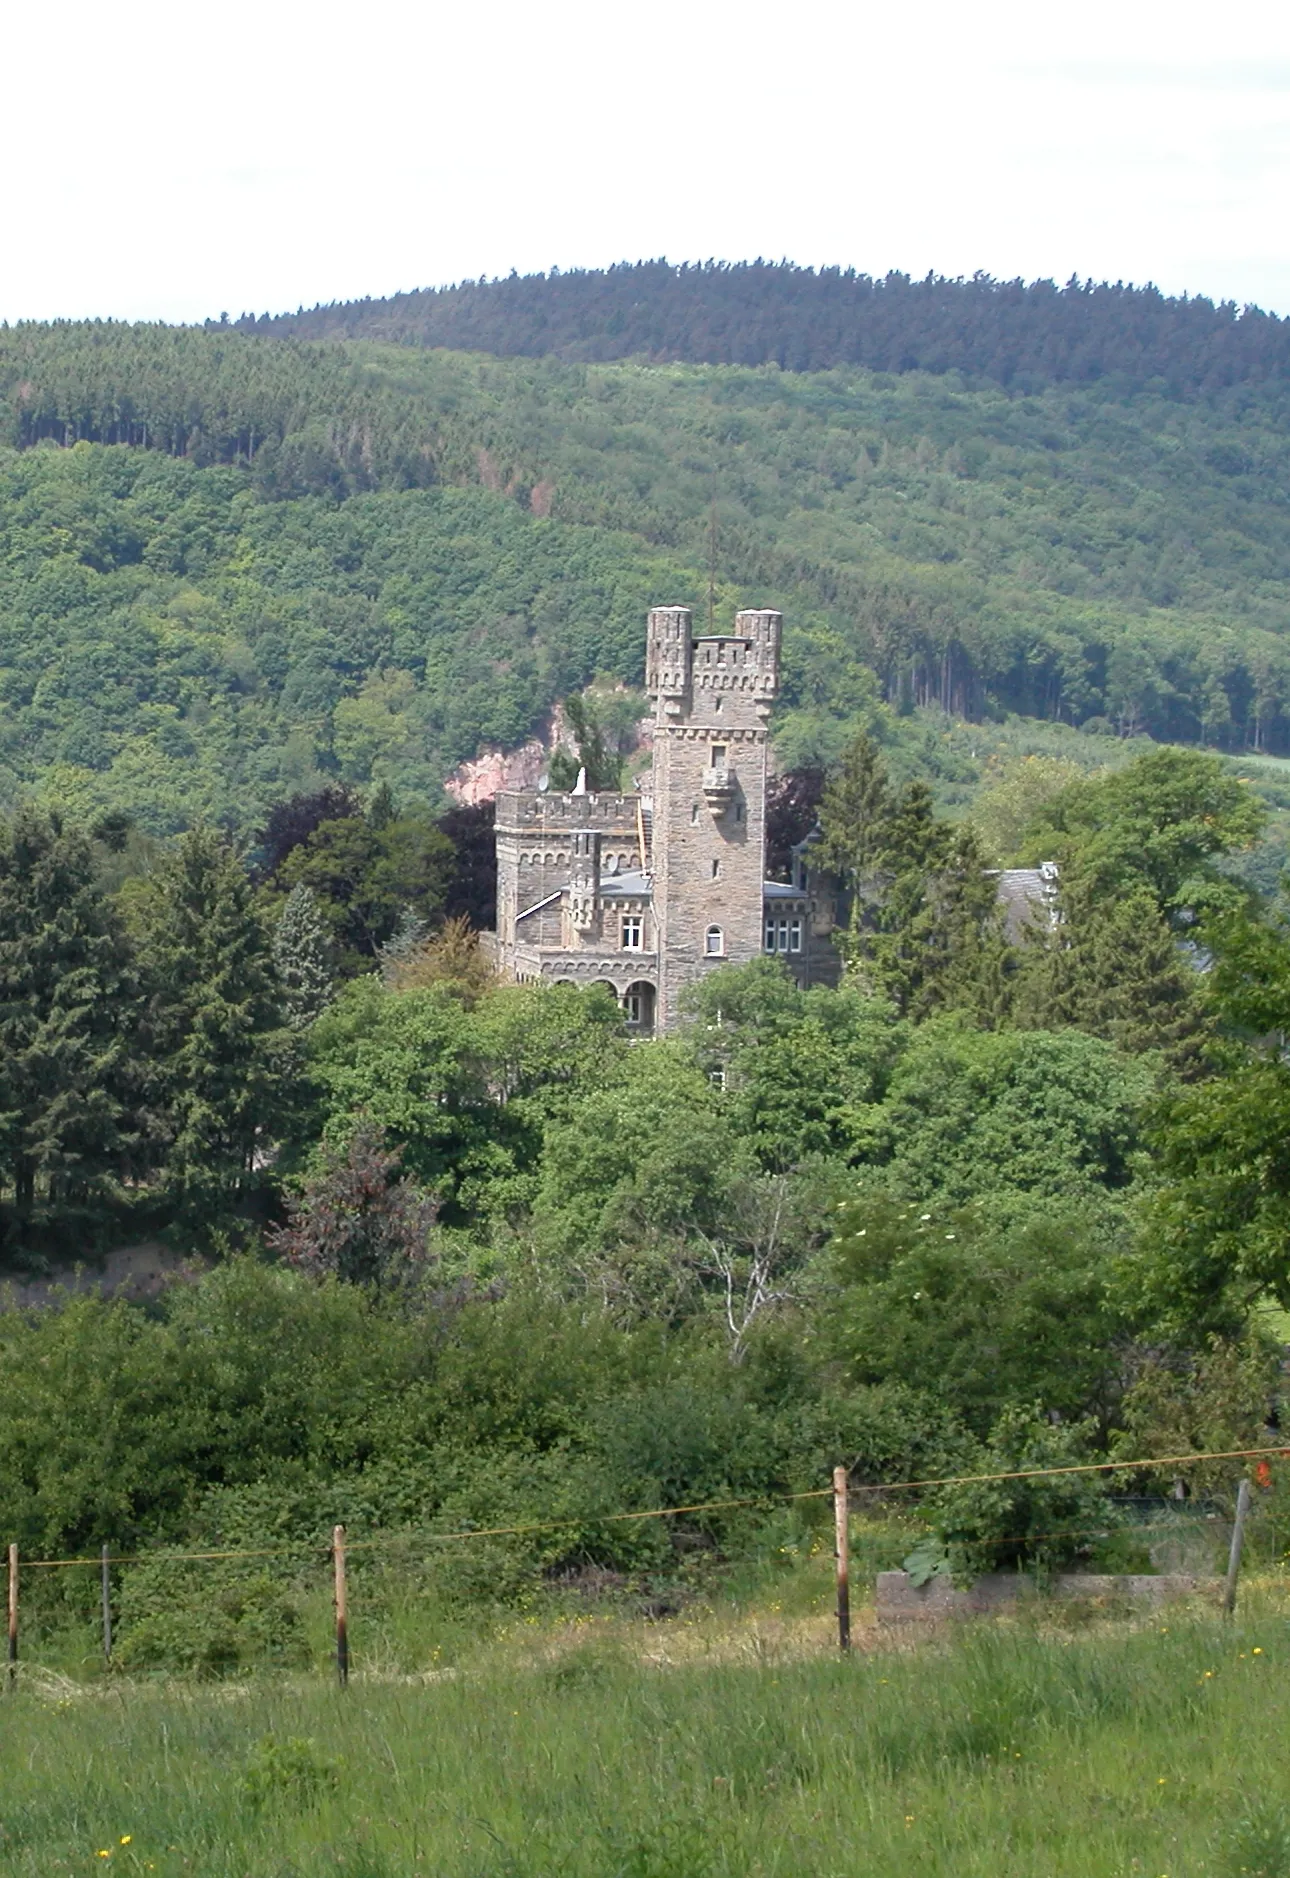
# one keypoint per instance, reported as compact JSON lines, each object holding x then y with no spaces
{"x":293,"y":1770}
{"x":1043,"y":1521}
{"x":208,"y":1618}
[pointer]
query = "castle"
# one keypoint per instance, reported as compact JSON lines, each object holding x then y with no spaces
{"x":648,"y":892}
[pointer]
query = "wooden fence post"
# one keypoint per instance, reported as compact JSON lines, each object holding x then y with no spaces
{"x":13,"y":1613}
{"x":342,"y":1606}
{"x":842,"y":1547}
{"x":1238,"y":1540}
{"x":107,"y":1607}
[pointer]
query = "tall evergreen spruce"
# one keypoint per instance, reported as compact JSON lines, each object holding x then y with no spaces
{"x":854,"y":812}
{"x":923,"y":927}
{"x":300,"y":958}
{"x":1112,"y":967}
{"x":68,"y":1006}
{"x":403,"y":944}
{"x":214,"y":1029}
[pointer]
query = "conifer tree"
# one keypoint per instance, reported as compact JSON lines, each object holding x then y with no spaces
{"x":68,"y":1004}
{"x":300,"y":958}
{"x":403,"y":944}
{"x":854,"y":812}
{"x":923,"y":927}
{"x":214,"y":1028}
{"x":603,"y":766}
{"x":1113,"y":968}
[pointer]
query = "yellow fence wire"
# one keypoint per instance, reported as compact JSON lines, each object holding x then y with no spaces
{"x":1150,"y":1461}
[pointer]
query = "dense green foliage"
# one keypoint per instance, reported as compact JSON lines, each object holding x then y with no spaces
{"x":174,"y":647}
{"x":499,"y":1263}
{"x":68,"y":1007}
{"x":768,"y":313}
{"x":518,"y":1268}
{"x":263,"y":562}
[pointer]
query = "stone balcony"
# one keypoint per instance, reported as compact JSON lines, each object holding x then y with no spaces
{"x":719,"y":789}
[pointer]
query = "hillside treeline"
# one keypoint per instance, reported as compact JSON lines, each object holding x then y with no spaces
{"x":1000,"y":1201}
{"x":233,"y":565}
{"x":182,"y":634}
{"x":803,"y":319}
{"x":306,"y":416}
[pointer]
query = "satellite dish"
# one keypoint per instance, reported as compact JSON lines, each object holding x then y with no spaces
{"x":544,"y":783}
{"x":611,"y":863}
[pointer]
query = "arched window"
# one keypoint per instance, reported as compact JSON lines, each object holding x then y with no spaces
{"x":715,"y":943}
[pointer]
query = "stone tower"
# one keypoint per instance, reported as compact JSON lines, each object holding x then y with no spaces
{"x":713,"y":697}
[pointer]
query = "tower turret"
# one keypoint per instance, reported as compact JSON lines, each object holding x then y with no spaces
{"x":584,"y":879}
{"x":669,"y":653}
{"x":714,"y":695}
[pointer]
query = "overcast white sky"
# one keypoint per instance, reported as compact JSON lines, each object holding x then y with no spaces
{"x":162,"y":160}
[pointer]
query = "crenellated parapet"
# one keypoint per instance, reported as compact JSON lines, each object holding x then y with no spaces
{"x":532,"y":810}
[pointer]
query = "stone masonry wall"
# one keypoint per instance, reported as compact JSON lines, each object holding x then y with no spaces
{"x":710,"y":770}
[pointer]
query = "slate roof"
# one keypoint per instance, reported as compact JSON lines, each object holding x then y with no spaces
{"x":1028,"y":896}
{"x":631,"y":884}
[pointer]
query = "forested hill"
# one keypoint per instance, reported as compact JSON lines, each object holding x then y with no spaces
{"x":804,"y":320}
{"x":232,"y":566}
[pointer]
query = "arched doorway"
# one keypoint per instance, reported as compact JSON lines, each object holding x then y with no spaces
{"x":638,"y":1008}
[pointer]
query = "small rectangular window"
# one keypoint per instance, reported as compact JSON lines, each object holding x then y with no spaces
{"x":795,"y":935}
{"x":631,"y":932}
{"x":770,"y":935}
{"x":783,"y":935}
{"x":719,"y":755}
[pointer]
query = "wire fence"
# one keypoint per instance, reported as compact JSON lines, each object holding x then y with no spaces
{"x":849,"y":1497}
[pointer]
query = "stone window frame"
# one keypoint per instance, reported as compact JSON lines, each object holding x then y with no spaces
{"x":714,"y":943}
{"x":633,"y":924}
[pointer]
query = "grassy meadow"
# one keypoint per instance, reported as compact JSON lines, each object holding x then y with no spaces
{"x":729,"y":1739}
